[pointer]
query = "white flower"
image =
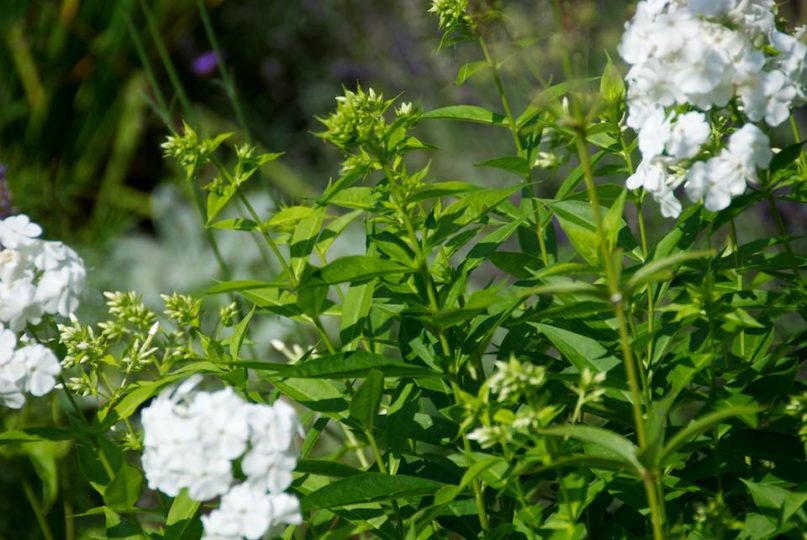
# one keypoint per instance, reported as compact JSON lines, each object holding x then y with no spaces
{"x":191,"y":440}
{"x":654,"y":177}
{"x":751,"y":146}
{"x":41,"y":367}
{"x":18,"y":305}
{"x":688,"y":134}
{"x":10,"y":393}
{"x":225,"y":429}
{"x":717,"y":181}
{"x":269,"y":470}
{"x":654,"y":134}
{"x":14,"y":266}
{"x":769,"y":96}
{"x":286,"y":509}
{"x":18,"y":231}
{"x":245,"y":511}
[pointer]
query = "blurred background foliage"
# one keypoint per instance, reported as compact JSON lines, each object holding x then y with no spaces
{"x":80,"y":139}
{"x":81,"y":143}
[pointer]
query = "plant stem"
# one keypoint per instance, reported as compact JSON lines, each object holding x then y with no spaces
{"x":734,"y":248}
{"x":226,"y":77}
{"x":511,"y":123}
{"x":618,"y":303}
{"x":434,"y":306}
{"x":44,"y":528}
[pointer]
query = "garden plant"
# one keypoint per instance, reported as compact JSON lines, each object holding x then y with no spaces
{"x":530,"y":360}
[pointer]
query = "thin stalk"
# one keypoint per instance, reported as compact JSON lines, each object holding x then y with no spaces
{"x":651,"y":315}
{"x":161,"y":107}
{"x":434,"y":306}
{"x":618,"y":302}
{"x":734,"y":248}
{"x":166,"y":59}
{"x":500,"y":88}
{"x":226,"y":77}
{"x":511,"y":123}
{"x":44,"y":528}
{"x":269,"y":240}
{"x":382,"y":467}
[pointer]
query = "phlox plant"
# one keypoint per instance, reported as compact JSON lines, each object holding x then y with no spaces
{"x":526,"y":361}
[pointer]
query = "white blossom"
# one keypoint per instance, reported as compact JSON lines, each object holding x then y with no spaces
{"x":690,"y":58}
{"x":192,"y":439}
{"x":18,"y":231}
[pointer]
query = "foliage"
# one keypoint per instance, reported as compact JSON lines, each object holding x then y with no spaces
{"x":523,"y":361}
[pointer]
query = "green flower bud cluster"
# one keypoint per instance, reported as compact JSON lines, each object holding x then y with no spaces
{"x":358,"y":120}
{"x":182,"y":309}
{"x":452,"y":14}
{"x":191,"y":151}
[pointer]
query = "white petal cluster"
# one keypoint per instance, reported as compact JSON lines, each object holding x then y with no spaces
{"x":702,"y":56}
{"x":192,"y":438}
{"x":37,"y":277}
{"x":25,"y":366}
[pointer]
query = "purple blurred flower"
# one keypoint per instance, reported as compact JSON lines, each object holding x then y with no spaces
{"x":205,"y":64}
{"x":5,"y":194}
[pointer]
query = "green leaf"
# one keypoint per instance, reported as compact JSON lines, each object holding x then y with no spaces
{"x":612,"y":87}
{"x":358,"y":268}
{"x":181,"y":518}
{"x":467,"y":113}
{"x":696,"y":427}
{"x":516,"y":263}
{"x":217,"y":200}
{"x":119,"y":528}
{"x":303,"y":241}
{"x":35,"y":435}
{"x":341,"y":366}
{"x":514,"y":164}
{"x":123,"y":491}
{"x":470,"y":69}
{"x":239,"y":334}
{"x":365,"y":402}
{"x":356,"y":307}
{"x":235,"y":224}
{"x":583,"y":352}
{"x":577,"y":222}
{"x":661,"y":269}
{"x":290,"y":216}
{"x":612,"y":222}
{"x":324,"y":467}
{"x":613,"y":442}
{"x":786,"y":156}
{"x":368,"y":487}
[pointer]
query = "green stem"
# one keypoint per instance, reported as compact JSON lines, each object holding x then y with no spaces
{"x":434,"y":306}
{"x":511,"y":123}
{"x":734,"y":248}
{"x":226,"y":77}
{"x":166,"y":59}
{"x":618,"y":303}
{"x":47,"y":534}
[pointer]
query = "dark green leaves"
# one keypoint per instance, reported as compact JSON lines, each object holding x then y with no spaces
{"x":466,"y":113}
{"x":365,"y":402}
{"x":369,"y":487}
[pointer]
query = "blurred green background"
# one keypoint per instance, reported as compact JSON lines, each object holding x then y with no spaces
{"x":80,"y":141}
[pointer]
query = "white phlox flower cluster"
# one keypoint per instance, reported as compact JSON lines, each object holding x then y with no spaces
{"x":690,"y":60}
{"x":37,"y":277}
{"x":192,"y":439}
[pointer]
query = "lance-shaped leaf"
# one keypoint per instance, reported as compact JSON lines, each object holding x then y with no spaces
{"x":466,"y":113}
{"x":341,"y":366}
{"x":697,"y":427}
{"x":368,"y":487}
{"x":615,"y":443}
{"x":365,"y":403}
